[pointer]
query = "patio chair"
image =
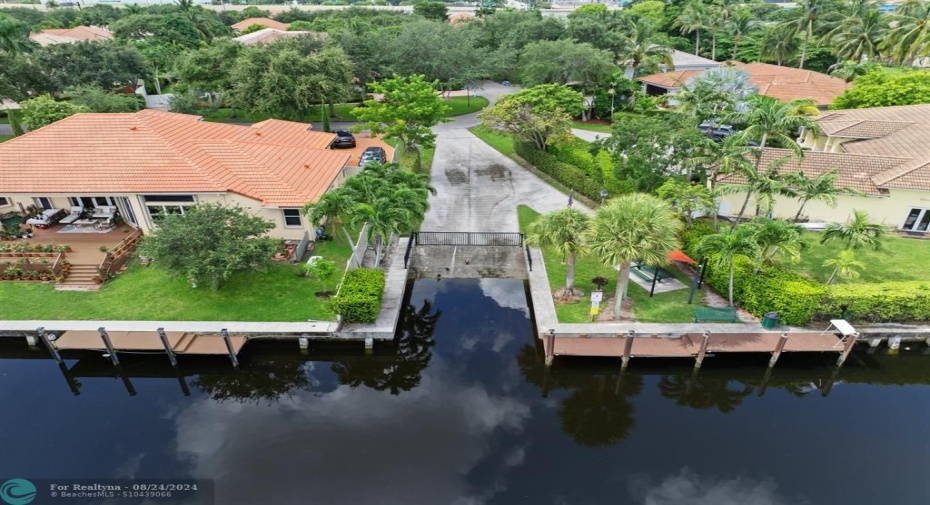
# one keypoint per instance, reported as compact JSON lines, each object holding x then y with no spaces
{"x":46,"y":218}
{"x":75,"y":214}
{"x":104,"y":212}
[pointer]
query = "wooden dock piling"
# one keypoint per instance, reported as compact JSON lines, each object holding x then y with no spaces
{"x":229,"y":348}
{"x":109,"y":345}
{"x":699,"y":360}
{"x":627,"y":350}
{"x":168,"y":350}
{"x":48,"y":345}
{"x":778,"y":349}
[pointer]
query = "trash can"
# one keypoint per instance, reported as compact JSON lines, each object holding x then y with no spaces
{"x":770,"y":320}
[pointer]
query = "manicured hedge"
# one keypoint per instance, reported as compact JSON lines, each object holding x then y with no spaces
{"x":359,"y":300}
{"x":885,"y":301}
{"x":569,"y":175}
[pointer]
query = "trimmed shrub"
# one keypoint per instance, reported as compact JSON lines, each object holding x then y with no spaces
{"x":359,"y":300}
{"x":795,"y":298}
{"x":886,"y":301}
{"x":571,"y":176}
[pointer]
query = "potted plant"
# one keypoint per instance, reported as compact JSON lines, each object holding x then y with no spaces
{"x":104,"y":248}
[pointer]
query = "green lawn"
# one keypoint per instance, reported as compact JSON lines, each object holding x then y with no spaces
{"x":460,"y":104}
{"x":594,"y":127}
{"x":4,"y":120}
{"x":4,"y":138}
{"x":147,"y":293}
{"x":501,"y":142}
{"x":426,"y":160}
{"x":901,"y":260}
{"x":669,"y":307}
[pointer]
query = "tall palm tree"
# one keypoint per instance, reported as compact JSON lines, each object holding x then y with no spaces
{"x":629,"y":228}
{"x":771,"y":119}
{"x":724,"y":247}
{"x":731,"y":156}
{"x":848,"y":70}
{"x":692,"y":19}
{"x":384,"y":218}
{"x":909,"y":38}
{"x":640,"y":44}
{"x":715,"y":23}
{"x":808,"y":15}
{"x":14,"y":35}
{"x":858,"y":35}
{"x":562,"y":231}
{"x":777,"y":44}
{"x":741,"y":22}
{"x":857,"y":233}
{"x":764,"y":184}
{"x":845,"y":264}
{"x":820,"y":188}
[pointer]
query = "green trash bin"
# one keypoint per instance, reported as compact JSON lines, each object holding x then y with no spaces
{"x":770,"y":320}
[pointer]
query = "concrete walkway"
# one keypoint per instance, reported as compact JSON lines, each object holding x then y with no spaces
{"x":312,"y":327}
{"x":588,"y":135}
{"x":479,"y":188}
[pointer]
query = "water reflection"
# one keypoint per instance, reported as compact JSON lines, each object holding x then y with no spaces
{"x":703,"y":392}
{"x":412,"y":348}
{"x":688,"y":488}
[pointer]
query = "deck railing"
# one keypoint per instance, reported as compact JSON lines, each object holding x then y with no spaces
{"x":465,"y":238}
{"x":116,"y":257}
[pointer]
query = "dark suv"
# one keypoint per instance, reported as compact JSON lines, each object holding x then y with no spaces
{"x":344,"y":138}
{"x":372,"y":155}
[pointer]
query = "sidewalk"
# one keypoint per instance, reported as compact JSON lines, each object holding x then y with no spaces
{"x":396,"y":278}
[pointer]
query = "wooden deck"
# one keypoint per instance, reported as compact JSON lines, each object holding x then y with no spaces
{"x":181,"y":342}
{"x":689,"y":345}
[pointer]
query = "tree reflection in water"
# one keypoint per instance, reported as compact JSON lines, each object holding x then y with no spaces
{"x":265,"y":379}
{"x":598,"y":412}
{"x":700,"y":392}
{"x":413,"y":353}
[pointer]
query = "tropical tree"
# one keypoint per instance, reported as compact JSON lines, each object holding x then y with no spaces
{"x":716,"y":22}
{"x":563,"y":61}
{"x":408,"y":112}
{"x":562,"y":231}
{"x":769,"y":119}
{"x":732,"y":155}
{"x":819,"y":188}
{"x":641,"y":44}
{"x":330,"y":208}
{"x":632,"y":227}
{"x":857,"y":233}
{"x":44,"y":110}
{"x":844,"y":265}
{"x":849,"y":70}
{"x":778,"y":237}
{"x":777,"y":44}
{"x":807,"y":17}
{"x":858,"y":35}
{"x":765,"y":184}
{"x":686,"y":197}
{"x":909,"y":37}
{"x":14,"y":35}
{"x":739,"y":25}
{"x":692,"y":19}
{"x":540,"y":115}
{"x":723,"y":248}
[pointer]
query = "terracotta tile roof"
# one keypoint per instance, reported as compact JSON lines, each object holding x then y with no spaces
{"x":266,"y":22}
{"x":70,"y":35}
{"x":783,"y":83}
{"x":269,"y":35}
{"x":279,"y":163}
{"x":856,"y":171}
{"x":902,"y":132}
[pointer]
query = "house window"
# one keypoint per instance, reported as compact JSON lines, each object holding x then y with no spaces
{"x":90,"y":202}
{"x":291,"y":217}
{"x":43,"y":202}
{"x":917,"y":220}
{"x":159,"y":206}
{"x":4,"y":201}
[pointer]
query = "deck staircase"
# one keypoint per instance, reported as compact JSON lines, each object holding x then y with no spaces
{"x":81,"y":278}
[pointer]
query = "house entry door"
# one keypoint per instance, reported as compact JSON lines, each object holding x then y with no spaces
{"x":917,"y":220}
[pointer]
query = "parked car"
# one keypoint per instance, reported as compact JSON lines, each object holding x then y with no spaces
{"x":717,"y":132}
{"x":372,"y":155}
{"x":344,"y":139}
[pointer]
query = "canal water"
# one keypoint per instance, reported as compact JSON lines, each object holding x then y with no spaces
{"x":460,"y":410}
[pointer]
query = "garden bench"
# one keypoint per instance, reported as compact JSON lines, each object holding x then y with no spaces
{"x":646,"y":272}
{"x":716,"y":314}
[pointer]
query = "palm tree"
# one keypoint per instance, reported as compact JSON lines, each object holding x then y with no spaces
{"x":741,"y":22}
{"x":844,"y":264}
{"x":562,"y":231}
{"x":330,"y":208}
{"x":820,"y":188}
{"x":858,"y":35}
{"x":640,"y":44}
{"x":849,"y":70}
{"x":808,"y":14}
{"x":724,"y":247}
{"x":771,"y":119}
{"x":14,"y":35}
{"x":909,"y":39}
{"x":727,"y":157}
{"x":778,"y":237}
{"x":629,"y":228}
{"x":765,"y":184}
{"x":777,"y":44}
{"x":715,"y":23}
{"x":692,"y":19}
{"x":858,"y":233}
{"x":384,"y":218}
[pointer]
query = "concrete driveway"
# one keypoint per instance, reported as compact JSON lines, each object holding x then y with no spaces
{"x":478,"y":187}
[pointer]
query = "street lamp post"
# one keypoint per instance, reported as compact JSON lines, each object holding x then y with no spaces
{"x":603,"y":196}
{"x":612,"y":92}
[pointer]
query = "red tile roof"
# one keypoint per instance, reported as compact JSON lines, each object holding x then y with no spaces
{"x":783,"y":83}
{"x":70,"y":35}
{"x":279,"y":163}
{"x":266,"y":22}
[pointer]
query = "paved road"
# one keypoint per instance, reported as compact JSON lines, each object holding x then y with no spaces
{"x":478,"y":187}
